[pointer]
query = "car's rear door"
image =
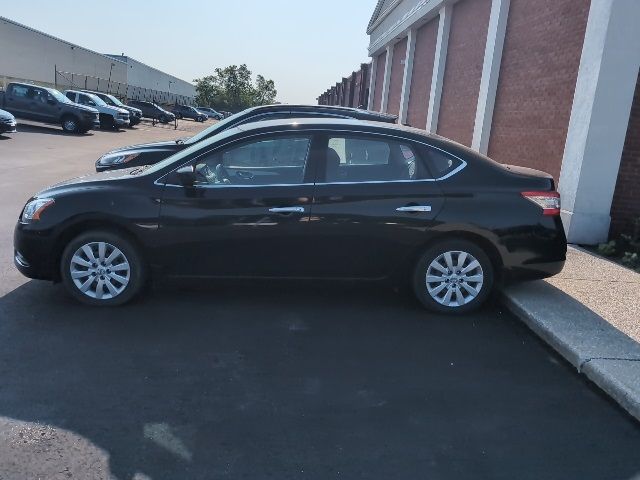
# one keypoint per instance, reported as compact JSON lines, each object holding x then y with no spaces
{"x":248,"y":213}
{"x":375,"y":204}
{"x":17,"y":100}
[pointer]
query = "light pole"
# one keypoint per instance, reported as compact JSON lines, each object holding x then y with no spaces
{"x":109,"y":81}
{"x":170,"y":82}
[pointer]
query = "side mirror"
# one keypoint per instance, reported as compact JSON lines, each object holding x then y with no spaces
{"x":186,"y":175}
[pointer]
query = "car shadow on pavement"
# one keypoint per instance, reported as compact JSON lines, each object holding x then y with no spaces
{"x":49,"y":130}
{"x":290,"y":380}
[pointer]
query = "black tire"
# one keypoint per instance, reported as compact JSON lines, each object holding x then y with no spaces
{"x":130,"y":256}
{"x":433,"y":297}
{"x":70,"y":124}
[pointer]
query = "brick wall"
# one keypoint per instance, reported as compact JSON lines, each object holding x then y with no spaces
{"x":377,"y":93}
{"x":538,"y":72}
{"x":423,"y":57}
{"x":626,"y":198}
{"x":463,"y":70}
{"x":397,"y":74}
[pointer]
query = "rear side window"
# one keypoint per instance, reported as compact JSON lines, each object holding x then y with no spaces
{"x":71,"y":96}
{"x":19,"y":90}
{"x":371,"y":159}
{"x":441,"y":163}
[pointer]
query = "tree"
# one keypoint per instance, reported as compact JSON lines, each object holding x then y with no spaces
{"x":232,"y":89}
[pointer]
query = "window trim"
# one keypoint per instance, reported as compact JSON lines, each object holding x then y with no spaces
{"x":309,"y":161}
{"x":463,"y":163}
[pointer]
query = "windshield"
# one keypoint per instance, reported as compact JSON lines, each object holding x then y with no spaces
{"x":59,"y":96}
{"x":97,"y":100}
{"x":110,"y":99}
{"x":175,"y":159}
{"x":215,"y":128}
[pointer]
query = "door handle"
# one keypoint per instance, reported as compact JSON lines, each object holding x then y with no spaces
{"x":287,"y":209}
{"x":414,"y":208}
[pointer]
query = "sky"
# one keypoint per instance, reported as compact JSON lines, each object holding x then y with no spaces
{"x":304,"y":46}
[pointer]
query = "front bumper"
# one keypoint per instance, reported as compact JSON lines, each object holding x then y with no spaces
{"x":33,"y":253}
{"x":121,"y":122}
{"x":8,"y":127}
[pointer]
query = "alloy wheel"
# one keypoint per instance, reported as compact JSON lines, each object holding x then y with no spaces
{"x":70,"y":125}
{"x":100,"y":270}
{"x":454,"y":278}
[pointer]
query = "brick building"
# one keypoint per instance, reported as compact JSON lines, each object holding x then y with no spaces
{"x":547,"y":84}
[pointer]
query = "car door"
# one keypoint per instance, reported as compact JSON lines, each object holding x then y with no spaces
{"x":42,"y":105}
{"x":375,"y":204}
{"x":17,"y":100}
{"x":246,"y":215}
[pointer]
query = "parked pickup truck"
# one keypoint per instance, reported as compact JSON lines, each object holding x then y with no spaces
{"x":48,"y":105}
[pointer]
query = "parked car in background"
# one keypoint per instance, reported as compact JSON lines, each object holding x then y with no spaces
{"x":387,"y":202}
{"x":150,"y":153}
{"x":185,"y":111}
{"x":110,"y":117}
{"x":48,"y":105}
{"x":152,"y":110}
{"x":225,"y":114}
{"x":211,"y":113}
{"x":135,"y":114}
{"x":7,"y":122}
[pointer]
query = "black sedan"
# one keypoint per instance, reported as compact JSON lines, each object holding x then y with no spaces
{"x":150,"y":153}
{"x":7,"y":122}
{"x":326,"y":199}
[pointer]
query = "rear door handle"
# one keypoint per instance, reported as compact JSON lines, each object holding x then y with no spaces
{"x":414,"y":208}
{"x":287,"y":210}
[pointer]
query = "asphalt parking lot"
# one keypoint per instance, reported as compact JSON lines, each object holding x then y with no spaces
{"x":277,"y":380}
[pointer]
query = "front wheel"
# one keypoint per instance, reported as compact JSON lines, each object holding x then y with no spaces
{"x":453,"y":276}
{"x":102,"y":268}
{"x":70,"y":124}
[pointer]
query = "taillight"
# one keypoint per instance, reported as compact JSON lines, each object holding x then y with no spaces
{"x":548,"y":201}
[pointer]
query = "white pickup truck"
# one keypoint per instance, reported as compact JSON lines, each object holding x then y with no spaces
{"x":110,"y":117}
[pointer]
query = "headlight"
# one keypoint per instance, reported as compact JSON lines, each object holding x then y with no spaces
{"x":117,"y":159}
{"x":34,"y":208}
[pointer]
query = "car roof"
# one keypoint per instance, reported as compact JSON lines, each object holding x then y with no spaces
{"x":337,"y":123}
{"x":354,"y":112}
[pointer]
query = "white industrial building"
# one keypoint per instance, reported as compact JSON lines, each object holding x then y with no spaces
{"x":33,"y":56}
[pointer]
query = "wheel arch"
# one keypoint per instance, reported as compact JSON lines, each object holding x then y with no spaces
{"x":79,"y":226}
{"x":458,"y":234}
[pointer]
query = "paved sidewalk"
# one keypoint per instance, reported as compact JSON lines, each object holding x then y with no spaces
{"x":589,"y":313}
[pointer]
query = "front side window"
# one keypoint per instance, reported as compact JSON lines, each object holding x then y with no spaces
{"x":271,"y":161}
{"x":371,"y":159}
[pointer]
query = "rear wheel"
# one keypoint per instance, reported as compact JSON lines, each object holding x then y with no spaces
{"x":453,"y":276}
{"x":102,"y":268}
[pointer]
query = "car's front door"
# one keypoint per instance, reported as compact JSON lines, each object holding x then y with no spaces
{"x":42,"y":105}
{"x":247,"y":213}
{"x":375,"y":204}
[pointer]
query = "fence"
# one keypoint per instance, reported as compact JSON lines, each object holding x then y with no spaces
{"x":71,"y":80}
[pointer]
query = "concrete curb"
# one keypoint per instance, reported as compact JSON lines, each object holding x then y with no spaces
{"x":608,"y":357}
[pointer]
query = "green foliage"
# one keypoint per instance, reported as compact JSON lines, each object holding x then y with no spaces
{"x":607,"y":249}
{"x":232,"y":89}
{"x":631,"y":260}
{"x":626,"y":248}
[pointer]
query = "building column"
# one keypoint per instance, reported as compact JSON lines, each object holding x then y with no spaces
{"x":372,"y":82}
{"x":599,"y":118}
{"x":490,"y":73}
{"x":439,"y":63}
{"x":408,"y":73}
{"x":387,"y":79}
